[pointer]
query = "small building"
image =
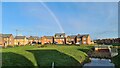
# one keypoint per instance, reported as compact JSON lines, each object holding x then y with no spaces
{"x":71,"y":39}
{"x":102,"y":48}
{"x":59,"y":38}
{"x":107,"y":50}
{"x":7,"y":40}
{"x":20,"y":40}
{"x":83,"y":39}
{"x":1,"y":40}
{"x":33,"y":40}
{"x":47,"y":40}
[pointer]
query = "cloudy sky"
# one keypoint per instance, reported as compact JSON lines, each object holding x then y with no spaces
{"x":99,"y":19}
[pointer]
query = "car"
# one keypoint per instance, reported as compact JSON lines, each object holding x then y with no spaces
{"x":39,"y":42}
{"x":55,"y":42}
{"x":33,"y":43}
{"x":78,"y":43}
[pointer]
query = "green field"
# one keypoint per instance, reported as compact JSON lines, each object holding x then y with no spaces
{"x":61,"y":55}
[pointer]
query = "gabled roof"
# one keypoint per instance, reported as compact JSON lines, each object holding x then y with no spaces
{"x":20,"y":37}
{"x":33,"y":38}
{"x":72,"y":36}
{"x":59,"y":35}
{"x":48,"y":37}
{"x":86,"y":35}
{"x":6,"y":35}
{"x":80,"y":36}
{"x":102,"y":46}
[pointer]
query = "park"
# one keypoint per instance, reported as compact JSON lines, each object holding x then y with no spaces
{"x":33,"y":56}
{"x":44,"y":56}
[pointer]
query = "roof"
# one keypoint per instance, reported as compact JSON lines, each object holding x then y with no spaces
{"x":72,"y":36}
{"x":86,"y":35}
{"x":59,"y":35}
{"x":19,"y":37}
{"x":80,"y":36}
{"x":6,"y":35}
{"x":49,"y":37}
{"x":102,"y":46}
{"x":33,"y":38}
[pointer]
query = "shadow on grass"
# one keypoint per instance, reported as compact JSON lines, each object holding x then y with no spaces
{"x":95,"y":54}
{"x":88,"y":52}
{"x":45,"y":58}
{"x":85,"y":50}
{"x":13,"y":60}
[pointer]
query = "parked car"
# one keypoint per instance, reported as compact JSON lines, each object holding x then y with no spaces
{"x":39,"y":42}
{"x":33,"y":43}
{"x":78,"y":43}
{"x":55,"y":42}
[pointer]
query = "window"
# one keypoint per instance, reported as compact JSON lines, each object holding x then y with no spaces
{"x":84,"y":38}
{"x":61,"y":35}
{"x":10,"y":42}
{"x":84,"y":42}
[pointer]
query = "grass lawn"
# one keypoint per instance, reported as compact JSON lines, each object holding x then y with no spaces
{"x":62,"y":55}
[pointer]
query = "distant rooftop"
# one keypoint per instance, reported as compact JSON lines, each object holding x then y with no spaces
{"x":49,"y":37}
{"x":33,"y":37}
{"x":6,"y":35}
{"x":59,"y":35}
{"x":20,"y":37}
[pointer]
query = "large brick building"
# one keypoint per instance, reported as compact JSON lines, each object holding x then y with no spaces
{"x":59,"y":38}
{"x":7,"y":40}
{"x":47,"y":40}
{"x":33,"y":40}
{"x":83,"y":39}
{"x":71,"y":39}
{"x":20,"y":40}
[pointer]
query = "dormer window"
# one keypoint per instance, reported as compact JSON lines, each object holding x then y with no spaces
{"x":61,"y":35}
{"x":84,"y":38}
{"x":56,"y":36}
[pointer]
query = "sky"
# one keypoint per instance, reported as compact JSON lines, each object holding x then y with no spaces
{"x":99,"y":19}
